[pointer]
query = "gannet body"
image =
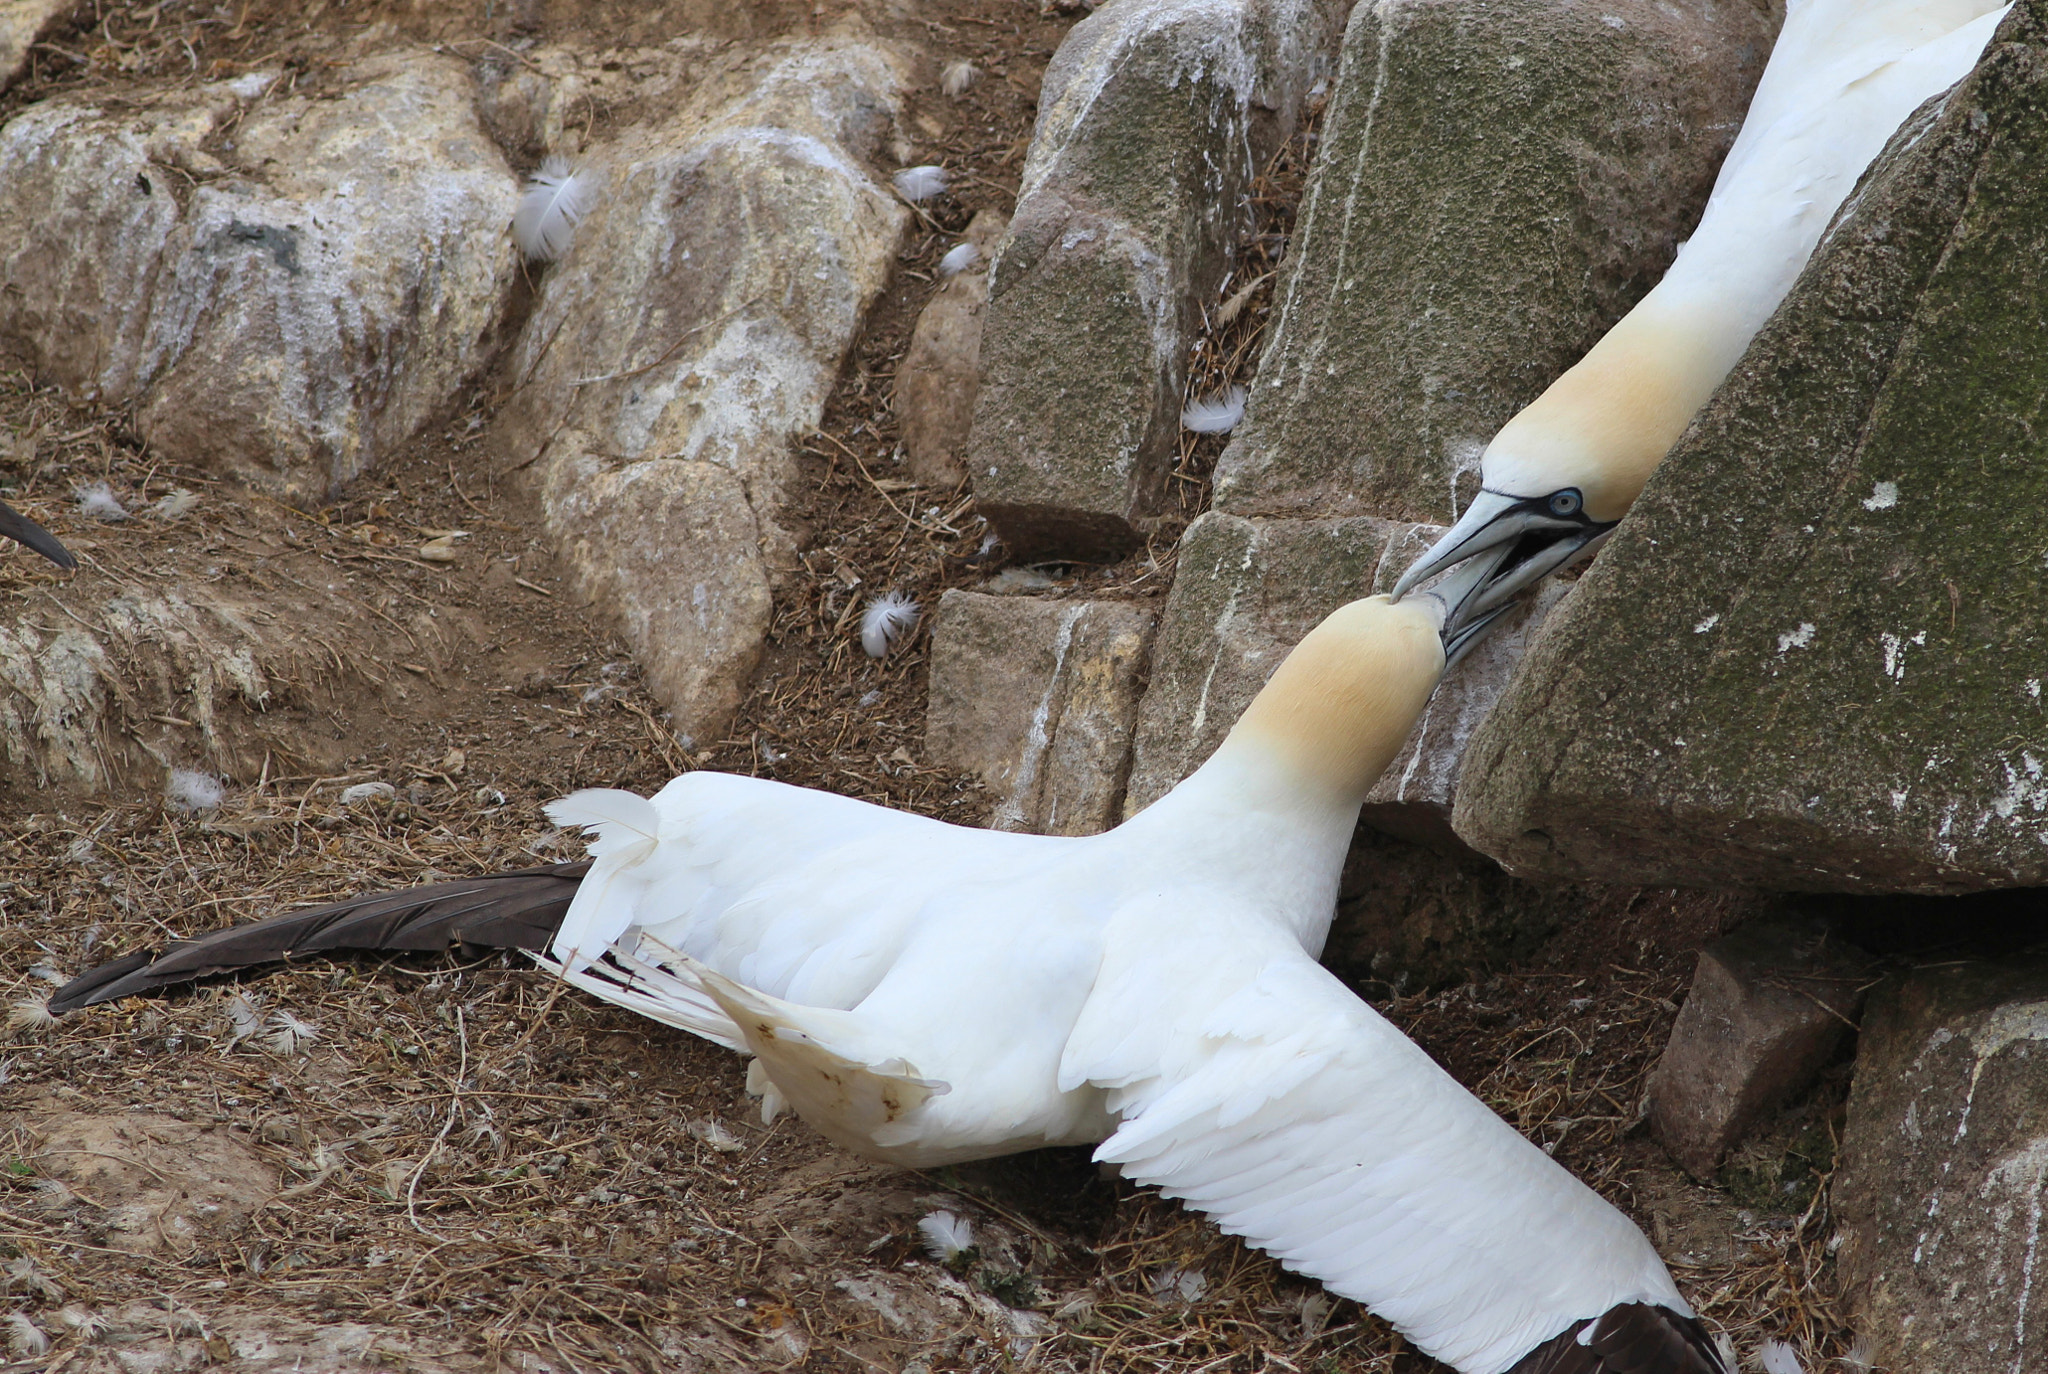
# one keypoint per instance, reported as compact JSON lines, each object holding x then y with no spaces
{"x":923,"y":993}
{"x":1842,"y":78}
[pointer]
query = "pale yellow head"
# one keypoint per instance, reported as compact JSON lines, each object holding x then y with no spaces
{"x":1337,"y":711}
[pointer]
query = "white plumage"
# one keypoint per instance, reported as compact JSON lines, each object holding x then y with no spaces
{"x":1843,"y":76}
{"x":946,"y":1237}
{"x":925,"y":994}
{"x":556,"y":199}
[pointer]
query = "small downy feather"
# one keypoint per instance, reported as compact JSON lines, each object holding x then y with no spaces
{"x":886,"y":621}
{"x":921,"y":183}
{"x":97,"y":501}
{"x":189,"y":790}
{"x":959,"y":77}
{"x":958,"y":259}
{"x":946,"y":1236}
{"x":289,"y":1035}
{"x":172,"y":505}
{"x":1778,"y":1357}
{"x":30,"y":1016}
{"x":24,"y":1337}
{"x":556,"y":199}
{"x":1217,"y":414}
{"x":245,"y":1018}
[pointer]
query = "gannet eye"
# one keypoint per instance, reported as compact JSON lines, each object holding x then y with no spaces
{"x":1566,"y":503}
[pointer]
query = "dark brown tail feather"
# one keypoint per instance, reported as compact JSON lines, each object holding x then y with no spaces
{"x":518,"y":910}
{"x":23,"y":530}
{"x":1634,"y":1338}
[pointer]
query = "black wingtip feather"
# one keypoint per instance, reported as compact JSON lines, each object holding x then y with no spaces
{"x":518,"y":910}
{"x":23,"y":530}
{"x":1634,"y":1338}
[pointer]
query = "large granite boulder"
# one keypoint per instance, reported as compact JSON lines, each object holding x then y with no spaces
{"x":1038,"y":697}
{"x":1944,"y":1171}
{"x":939,"y":377}
{"x":1154,"y":117}
{"x":695,"y":326}
{"x":281,"y":287}
{"x":1496,"y":185}
{"x":1813,"y":656}
{"x":1244,"y":593}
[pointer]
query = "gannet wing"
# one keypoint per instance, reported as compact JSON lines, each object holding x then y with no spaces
{"x":1263,"y":1093}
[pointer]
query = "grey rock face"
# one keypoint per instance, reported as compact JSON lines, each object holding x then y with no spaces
{"x":938,"y":379}
{"x":1496,"y":185}
{"x":1768,"y":1006}
{"x":1245,"y":591}
{"x":694,"y":327}
{"x":1154,"y":117}
{"x":1944,"y":1171}
{"x":1813,"y":657}
{"x":1039,"y":697}
{"x":337,"y":272}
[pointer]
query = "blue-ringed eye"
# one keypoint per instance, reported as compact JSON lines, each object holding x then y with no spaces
{"x":1566,"y":503}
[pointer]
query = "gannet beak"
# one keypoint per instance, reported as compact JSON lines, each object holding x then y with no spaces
{"x":1528,"y":566}
{"x":1496,"y":518}
{"x":1468,"y":610}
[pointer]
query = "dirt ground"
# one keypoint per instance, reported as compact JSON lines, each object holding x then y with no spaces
{"x":426,"y":1165}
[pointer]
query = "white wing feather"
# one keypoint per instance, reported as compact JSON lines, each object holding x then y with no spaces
{"x":555,"y":200}
{"x":1268,"y":1096}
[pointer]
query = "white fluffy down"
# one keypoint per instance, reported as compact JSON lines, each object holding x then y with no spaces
{"x":921,"y":183}
{"x":190,"y":790}
{"x":1778,"y":1357}
{"x":958,"y":259}
{"x":946,"y":1236}
{"x":958,"y":78}
{"x":886,"y":621}
{"x":556,"y":199}
{"x":97,"y":500}
{"x":1216,"y":414}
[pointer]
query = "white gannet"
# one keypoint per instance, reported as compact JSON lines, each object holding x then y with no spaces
{"x":1842,"y":78}
{"x":923,"y":993}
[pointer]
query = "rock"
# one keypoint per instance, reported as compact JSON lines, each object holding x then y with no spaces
{"x":284,"y":288}
{"x":152,"y":1181}
{"x":1496,"y":185}
{"x":937,"y":380}
{"x":1768,"y":1007}
{"x":1153,"y":119}
{"x":22,"y":24}
{"x":1244,"y":592}
{"x":1944,"y":1171}
{"x":1039,"y":698}
{"x":1812,"y":658}
{"x":695,"y":326}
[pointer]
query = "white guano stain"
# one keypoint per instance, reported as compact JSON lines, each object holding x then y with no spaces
{"x":1883,"y":496}
{"x":1709,"y":623}
{"x":1796,"y":639}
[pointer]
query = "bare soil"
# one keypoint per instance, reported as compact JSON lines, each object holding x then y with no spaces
{"x":425,"y":1165}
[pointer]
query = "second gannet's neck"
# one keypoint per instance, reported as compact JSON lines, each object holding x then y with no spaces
{"x":1605,"y":425}
{"x":1336,"y":712}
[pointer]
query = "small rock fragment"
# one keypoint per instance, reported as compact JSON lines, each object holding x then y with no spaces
{"x":1768,"y":1006}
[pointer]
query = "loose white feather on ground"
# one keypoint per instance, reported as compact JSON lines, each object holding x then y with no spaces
{"x":1778,"y":1357}
{"x":922,"y":183}
{"x":946,"y":1236}
{"x":958,"y":259}
{"x":958,"y":78}
{"x":188,"y":789}
{"x":886,"y":621}
{"x":1217,"y":414}
{"x":96,"y":501}
{"x":555,"y":201}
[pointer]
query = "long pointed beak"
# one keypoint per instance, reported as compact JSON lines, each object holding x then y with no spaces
{"x":1513,"y":577}
{"x":1460,"y":594}
{"x":1491,"y":519}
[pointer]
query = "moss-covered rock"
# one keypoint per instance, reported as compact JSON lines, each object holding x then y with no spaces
{"x":1814,"y":656}
{"x":1154,"y":117}
{"x":1497,"y":184}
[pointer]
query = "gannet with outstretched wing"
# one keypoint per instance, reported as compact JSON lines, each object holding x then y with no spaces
{"x":1842,"y":78}
{"x":923,"y":993}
